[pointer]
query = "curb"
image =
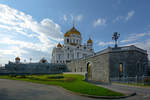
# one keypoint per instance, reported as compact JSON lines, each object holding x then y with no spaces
{"x":108,"y":97}
{"x":98,"y":97}
{"x":136,"y":86}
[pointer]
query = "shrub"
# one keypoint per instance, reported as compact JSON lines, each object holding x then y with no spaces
{"x":12,"y":75}
{"x":21,"y":76}
{"x":55,"y":77}
{"x":147,"y":79}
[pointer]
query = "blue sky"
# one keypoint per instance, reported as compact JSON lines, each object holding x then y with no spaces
{"x":31,"y":28}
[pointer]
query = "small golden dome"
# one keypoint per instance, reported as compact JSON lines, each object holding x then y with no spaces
{"x":59,"y":45}
{"x":89,"y":41}
{"x":72,"y":31}
{"x":43,"y":60}
{"x":17,"y":58}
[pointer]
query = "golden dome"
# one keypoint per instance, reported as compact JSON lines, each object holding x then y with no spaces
{"x":89,"y":41}
{"x":17,"y":58}
{"x":59,"y":45}
{"x":72,"y":31}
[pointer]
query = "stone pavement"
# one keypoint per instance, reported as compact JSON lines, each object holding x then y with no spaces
{"x":20,"y":90}
{"x":143,"y":93}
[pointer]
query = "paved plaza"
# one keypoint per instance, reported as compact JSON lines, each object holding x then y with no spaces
{"x":20,"y":90}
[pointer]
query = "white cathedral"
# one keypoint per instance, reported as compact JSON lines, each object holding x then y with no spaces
{"x":72,"y":48}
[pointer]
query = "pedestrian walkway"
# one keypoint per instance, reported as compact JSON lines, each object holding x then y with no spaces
{"x":142,"y":93}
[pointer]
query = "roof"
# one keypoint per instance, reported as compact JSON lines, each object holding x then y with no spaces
{"x":73,"y":30}
{"x":89,"y":41}
{"x":17,"y":58}
{"x":59,"y":45}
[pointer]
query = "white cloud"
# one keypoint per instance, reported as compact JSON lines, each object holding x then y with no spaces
{"x":18,"y":25}
{"x":13,"y":19}
{"x":124,"y":18}
{"x":105,"y":43}
{"x":134,"y":37}
{"x":118,"y":18}
{"x":130,"y":14}
{"x":79,"y":17}
{"x":99,"y":22}
{"x":70,"y":18}
{"x":14,"y":50}
{"x":65,"y":18}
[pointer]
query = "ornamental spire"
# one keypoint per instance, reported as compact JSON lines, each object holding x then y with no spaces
{"x":73,"y":22}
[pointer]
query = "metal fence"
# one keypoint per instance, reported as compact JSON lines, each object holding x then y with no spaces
{"x":138,"y":79}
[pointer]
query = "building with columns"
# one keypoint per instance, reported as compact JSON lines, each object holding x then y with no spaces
{"x":72,"y":47}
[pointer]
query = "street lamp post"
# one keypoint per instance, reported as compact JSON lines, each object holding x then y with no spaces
{"x":115,"y":37}
{"x":30,"y":60}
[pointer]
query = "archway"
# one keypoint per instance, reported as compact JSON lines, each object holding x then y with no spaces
{"x":89,"y":70}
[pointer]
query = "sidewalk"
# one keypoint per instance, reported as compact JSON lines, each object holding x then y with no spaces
{"x":127,"y":89}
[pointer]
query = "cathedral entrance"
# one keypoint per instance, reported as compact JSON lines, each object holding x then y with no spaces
{"x":89,"y":70}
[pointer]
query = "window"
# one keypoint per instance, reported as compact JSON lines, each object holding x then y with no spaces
{"x":121,"y":67}
{"x":84,"y":55}
{"x":77,"y":41}
{"x":120,"y":70}
{"x":72,"y":56}
{"x":59,"y":56}
{"x":77,"y":54}
{"x":68,"y":56}
{"x":139,"y":68}
{"x":81,"y":69}
{"x":67,"y":40}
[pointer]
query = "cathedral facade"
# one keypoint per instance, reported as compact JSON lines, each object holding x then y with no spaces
{"x":72,"y":48}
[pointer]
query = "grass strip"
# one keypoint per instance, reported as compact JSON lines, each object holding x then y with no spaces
{"x":70,"y":82}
